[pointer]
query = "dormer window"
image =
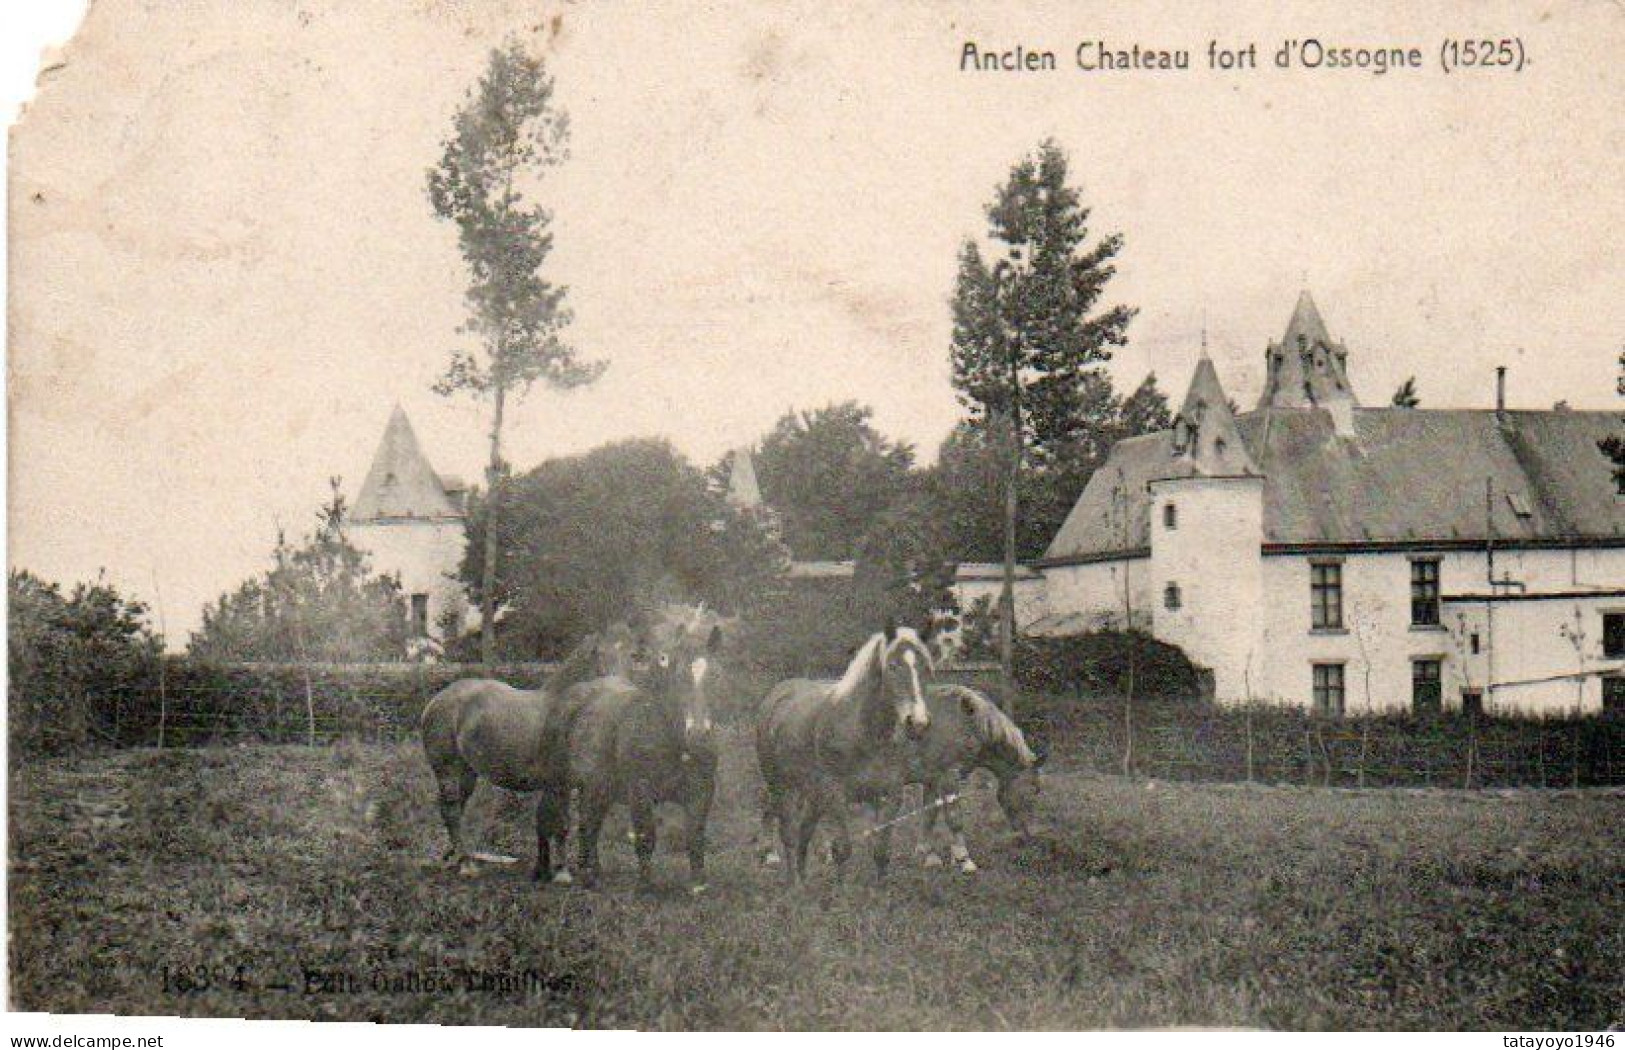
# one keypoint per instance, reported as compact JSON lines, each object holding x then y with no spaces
{"x":1519,"y":506}
{"x":1170,"y":516}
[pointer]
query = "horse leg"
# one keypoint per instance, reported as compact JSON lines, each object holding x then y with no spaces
{"x":788,"y":818}
{"x":552,"y":815}
{"x":643,"y":832}
{"x":696,"y":814}
{"x":455,"y":782}
{"x":766,"y":851}
{"x":806,"y":822}
{"x":840,"y":844}
{"x":885,"y":812}
{"x":925,"y":849}
{"x":950,"y":816}
{"x":593,"y":807}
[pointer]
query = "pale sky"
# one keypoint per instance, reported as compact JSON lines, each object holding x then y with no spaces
{"x":225,"y":271}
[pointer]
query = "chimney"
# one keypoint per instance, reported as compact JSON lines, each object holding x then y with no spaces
{"x":1501,"y":392}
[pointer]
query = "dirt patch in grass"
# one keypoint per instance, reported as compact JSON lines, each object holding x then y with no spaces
{"x":306,"y":884}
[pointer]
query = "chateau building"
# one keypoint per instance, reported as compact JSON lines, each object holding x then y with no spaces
{"x":1317,"y":552}
{"x":410,"y":520}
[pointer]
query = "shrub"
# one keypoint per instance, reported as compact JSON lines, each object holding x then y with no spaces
{"x":73,"y":662}
{"x":1101,"y":661}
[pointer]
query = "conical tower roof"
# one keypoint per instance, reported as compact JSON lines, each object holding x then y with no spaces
{"x":1306,"y":323}
{"x":1306,"y":369}
{"x":401,"y":483}
{"x":1207,"y":442}
{"x":743,"y":491}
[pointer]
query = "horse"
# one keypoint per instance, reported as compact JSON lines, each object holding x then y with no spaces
{"x":481,"y":728}
{"x":823,"y":745}
{"x":644,"y":736}
{"x":969,"y":732}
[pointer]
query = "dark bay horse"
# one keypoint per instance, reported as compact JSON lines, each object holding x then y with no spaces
{"x":644,"y":737}
{"x":481,"y":728}
{"x":824,"y":745}
{"x":969,"y":732}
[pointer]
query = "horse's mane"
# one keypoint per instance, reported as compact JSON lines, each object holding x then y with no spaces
{"x":993,"y":727}
{"x":871,"y":653}
{"x":856,"y":671}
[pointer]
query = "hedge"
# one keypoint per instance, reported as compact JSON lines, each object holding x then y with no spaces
{"x":193,"y":703}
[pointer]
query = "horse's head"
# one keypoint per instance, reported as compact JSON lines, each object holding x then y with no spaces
{"x":676,"y":657}
{"x":1018,"y":798}
{"x":906,"y":668}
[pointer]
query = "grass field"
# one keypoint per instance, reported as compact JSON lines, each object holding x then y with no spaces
{"x":1145,"y":904}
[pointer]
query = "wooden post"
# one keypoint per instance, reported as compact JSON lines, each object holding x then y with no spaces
{"x":1247,"y":722}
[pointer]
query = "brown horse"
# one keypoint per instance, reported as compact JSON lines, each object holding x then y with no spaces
{"x":644,"y":737}
{"x":823,"y":745}
{"x":481,"y":728}
{"x":969,"y":732}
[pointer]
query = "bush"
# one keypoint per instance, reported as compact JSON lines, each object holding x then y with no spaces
{"x":1101,"y":661}
{"x":73,"y":661}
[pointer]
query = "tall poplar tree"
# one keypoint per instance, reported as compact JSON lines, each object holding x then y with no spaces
{"x":1028,"y":339}
{"x":507,"y":134}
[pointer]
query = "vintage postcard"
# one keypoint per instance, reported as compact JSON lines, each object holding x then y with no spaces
{"x":753,"y":515}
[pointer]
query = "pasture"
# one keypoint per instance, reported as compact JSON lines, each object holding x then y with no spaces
{"x":306,"y":882}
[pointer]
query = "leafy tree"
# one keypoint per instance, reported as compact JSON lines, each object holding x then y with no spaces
{"x":585,"y":538}
{"x":71,"y":660}
{"x":1405,"y":396}
{"x":969,"y":476}
{"x":1613,"y":446}
{"x":905,"y":566}
{"x":507,"y":134}
{"x":1027,"y":337}
{"x":319,"y":601}
{"x":830,"y":475}
{"x":1145,"y":411}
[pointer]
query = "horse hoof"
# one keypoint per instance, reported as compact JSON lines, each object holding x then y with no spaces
{"x":562,"y":877}
{"x":931,"y":860}
{"x":968,"y":866}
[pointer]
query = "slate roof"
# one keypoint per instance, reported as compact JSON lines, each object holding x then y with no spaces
{"x":1410,"y":476}
{"x":402,"y":484}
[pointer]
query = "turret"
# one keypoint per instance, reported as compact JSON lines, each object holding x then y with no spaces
{"x":1207,"y":530}
{"x":1306,"y":369}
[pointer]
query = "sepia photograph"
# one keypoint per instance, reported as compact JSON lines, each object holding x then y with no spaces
{"x":775,"y":516}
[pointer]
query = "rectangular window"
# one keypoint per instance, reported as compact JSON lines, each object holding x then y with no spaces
{"x":1613,"y":693}
{"x":420,"y":615}
{"x":1325,"y":594}
{"x":1613,"y":635}
{"x":1472,"y":702}
{"x":1329,"y":690}
{"x":1427,"y":691}
{"x":1425,"y":593}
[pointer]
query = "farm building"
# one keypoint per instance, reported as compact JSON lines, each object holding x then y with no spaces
{"x":1316,"y":552}
{"x":410,"y":520}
